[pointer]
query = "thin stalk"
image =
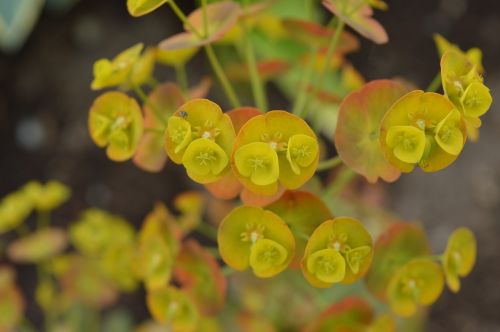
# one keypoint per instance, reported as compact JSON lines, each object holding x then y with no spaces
{"x":336,"y":186}
{"x":226,"y":85}
{"x":258,"y":86}
{"x":43,"y":220}
{"x":205,"y":17}
{"x":22,"y":230}
{"x":328,"y":164}
{"x":207,"y":230}
{"x":256,"y":82}
{"x":181,"y":76}
{"x":329,"y":54}
{"x":178,"y":12}
{"x":154,"y":130}
{"x":140,"y":93}
{"x":227,"y":270}
{"x":435,"y":84}
{"x":301,"y":99}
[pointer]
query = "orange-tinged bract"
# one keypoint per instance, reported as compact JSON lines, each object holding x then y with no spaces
{"x":165,"y":100}
{"x":351,"y":314}
{"x":359,"y":17}
{"x":424,"y":129}
{"x":115,"y":122}
{"x":339,"y":250}
{"x":277,"y":148}
{"x":304,"y":212}
{"x":173,"y":308}
{"x":200,"y":276}
{"x":221,"y":17}
{"x":417,"y":283}
{"x":396,"y":246}
{"x":200,"y":137}
{"x":459,"y":257}
{"x":358,"y":129}
{"x":257,"y":238}
{"x":38,"y":246}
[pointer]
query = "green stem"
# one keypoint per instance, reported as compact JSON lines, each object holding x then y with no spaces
{"x":43,"y":220}
{"x":299,"y":233}
{"x":301,"y":99}
{"x":180,"y":74}
{"x":226,"y":85}
{"x":258,"y":90}
{"x":336,"y":186}
{"x":329,"y":54}
{"x":328,"y":164}
{"x":153,"y":82}
{"x":205,"y":17}
{"x":154,"y":130}
{"x":435,"y":84}
{"x":258,"y":86}
{"x":207,"y":230}
{"x":22,"y":230}
{"x":178,"y":12}
{"x":140,"y":93}
{"x":227,"y":270}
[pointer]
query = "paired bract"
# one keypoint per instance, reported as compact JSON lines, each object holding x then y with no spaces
{"x":339,"y":250}
{"x":424,"y":129}
{"x":256,"y":238}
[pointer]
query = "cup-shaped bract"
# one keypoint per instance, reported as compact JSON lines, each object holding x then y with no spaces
{"x":173,"y":308}
{"x":161,"y":222}
{"x":459,"y":257}
{"x":109,"y":73}
{"x":339,"y":250}
{"x":14,"y":209}
{"x":422,"y":128}
{"x":47,"y":197}
{"x":257,"y":238}
{"x":83,"y":281}
{"x":350,"y":314}
{"x":191,"y":205}
{"x":304,"y":212}
{"x":200,"y":276}
{"x":474,"y":55}
{"x":458,"y":74}
{"x":228,"y":186}
{"x":38,"y":246}
{"x":115,"y":122}
{"x":420,"y":282}
{"x":118,"y":265}
{"x":142,"y":7}
{"x":359,"y":17}
{"x":98,"y":230}
{"x":143,"y":68}
{"x":396,"y":246}
{"x":272,"y":149}
{"x":358,"y":129}
{"x":200,"y":137}
{"x":165,"y":99}
{"x":157,"y":247}
{"x":154,"y":261}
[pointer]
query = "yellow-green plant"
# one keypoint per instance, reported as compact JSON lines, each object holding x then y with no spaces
{"x":270,"y":243}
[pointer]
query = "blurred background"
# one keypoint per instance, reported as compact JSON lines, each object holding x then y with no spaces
{"x":45,"y":96}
